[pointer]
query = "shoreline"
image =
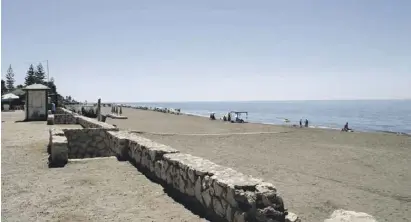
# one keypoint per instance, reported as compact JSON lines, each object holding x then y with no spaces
{"x":293,"y":126}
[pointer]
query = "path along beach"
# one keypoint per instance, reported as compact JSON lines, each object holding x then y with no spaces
{"x":317,"y":171}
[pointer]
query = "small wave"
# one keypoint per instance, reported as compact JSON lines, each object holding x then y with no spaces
{"x":194,"y":114}
{"x":324,"y":127}
{"x":393,"y":132}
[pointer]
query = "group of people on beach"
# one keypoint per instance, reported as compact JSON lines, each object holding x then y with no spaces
{"x":228,"y":118}
{"x":344,"y":129}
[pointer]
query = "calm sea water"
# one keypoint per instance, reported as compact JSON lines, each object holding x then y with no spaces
{"x":362,"y":115}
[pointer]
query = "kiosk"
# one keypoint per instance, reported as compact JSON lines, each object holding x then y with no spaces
{"x":36,"y":102}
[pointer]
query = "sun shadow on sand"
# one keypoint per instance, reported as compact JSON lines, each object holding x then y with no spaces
{"x":189,"y":203}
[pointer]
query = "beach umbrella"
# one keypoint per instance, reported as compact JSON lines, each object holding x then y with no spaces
{"x":9,"y":96}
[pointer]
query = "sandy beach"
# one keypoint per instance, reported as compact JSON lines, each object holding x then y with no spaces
{"x":86,"y":190}
{"x":317,"y":171}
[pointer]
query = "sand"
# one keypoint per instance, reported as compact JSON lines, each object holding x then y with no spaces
{"x":317,"y":171}
{"x":87,"y":190}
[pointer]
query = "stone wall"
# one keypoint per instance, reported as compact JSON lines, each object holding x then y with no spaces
{"x":118,"y":141}
{"x":53,"y":132}
{"x":57,"y":149}
{"x":65,"y":116}
{"x":60,"y":110}
{"x":92,"y":141}
{"x":65,"y":119}
{"x":220,"y":191}
{"x":87,"y":143}
{"x":93,"y":123}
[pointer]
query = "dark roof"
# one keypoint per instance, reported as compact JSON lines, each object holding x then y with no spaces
{"x":36,"y":87}
{"x":18,"y":92}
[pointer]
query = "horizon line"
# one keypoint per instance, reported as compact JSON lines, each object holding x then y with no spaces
{"x":296,"y":100}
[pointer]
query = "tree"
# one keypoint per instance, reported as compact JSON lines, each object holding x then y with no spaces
{"x":40,"y":74}
{"x":52,"y":86}
{"x":19,"y":86}
{"x":3,"y":87}
{"x":30,"y":76}
{"x":10,"y":79}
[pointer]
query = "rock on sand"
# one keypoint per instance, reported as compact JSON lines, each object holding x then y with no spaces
{"x":350,"y":216}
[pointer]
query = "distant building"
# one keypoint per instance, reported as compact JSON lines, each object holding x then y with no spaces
{"x":36,"y":102}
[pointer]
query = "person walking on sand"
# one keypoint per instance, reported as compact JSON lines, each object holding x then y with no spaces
{"x":301,"y":123}
{"x":306,"y":122}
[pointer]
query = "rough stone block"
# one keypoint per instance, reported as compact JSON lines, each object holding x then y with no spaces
{"x":53,"y":132}
{"x":59,"y":151}
{"x":119,"y":143}
{"x":93,"y":123}
{"x":225,"y":189}
{"x":146,"y":152}
{"x":50,"y":119}
{"x":89,"y":142}
{"x":350,"y":216}
{"x":65,"y":116}
{"x":292,"y":217}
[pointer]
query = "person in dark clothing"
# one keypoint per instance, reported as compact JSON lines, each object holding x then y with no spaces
{"x":306,"y":122}
{"x":346,"y":129}
{"x":301,"y":123}
{"x":53,"y":108}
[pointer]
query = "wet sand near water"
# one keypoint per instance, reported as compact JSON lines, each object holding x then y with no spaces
{"x":315,"y":170}
{"x":87,"y":190}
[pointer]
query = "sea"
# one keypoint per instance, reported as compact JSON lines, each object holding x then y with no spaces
{"x":392,"y":116}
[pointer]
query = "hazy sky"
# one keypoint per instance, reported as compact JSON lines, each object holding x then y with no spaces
{"x":130,"y":50}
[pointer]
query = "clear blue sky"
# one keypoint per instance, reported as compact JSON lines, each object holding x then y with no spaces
{"x":132,"y":51}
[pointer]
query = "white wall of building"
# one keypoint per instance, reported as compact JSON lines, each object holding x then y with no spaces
{"x":37,"y":104}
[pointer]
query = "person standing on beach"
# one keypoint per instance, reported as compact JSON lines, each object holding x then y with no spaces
{"x":306,"y":122}
{"x":301,"y":123}
{"x":53,"y":108}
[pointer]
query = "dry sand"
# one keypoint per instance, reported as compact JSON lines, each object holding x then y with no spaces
{"x":316,"y":171}
{"x":88,"y":190}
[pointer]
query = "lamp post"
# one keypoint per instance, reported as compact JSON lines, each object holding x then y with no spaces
{"x":48,"y":72}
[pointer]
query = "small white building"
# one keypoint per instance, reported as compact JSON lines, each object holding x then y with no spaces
{"x":36,"y":102}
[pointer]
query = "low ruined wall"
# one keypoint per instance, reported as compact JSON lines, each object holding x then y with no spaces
{"x":65,"y":116}
{"x":93,"y":123}
{"x":87,"y":143}
{"x":57,"y":148}
{"x":65,"y":119}
{"x":221,"y":191}
{"x":92,"y":141}
{"x":60,"y":110}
